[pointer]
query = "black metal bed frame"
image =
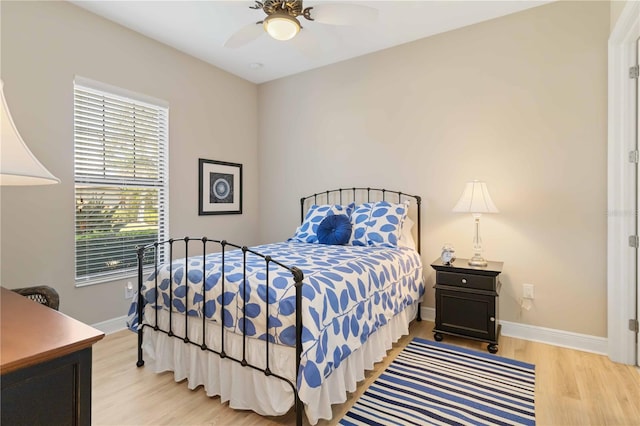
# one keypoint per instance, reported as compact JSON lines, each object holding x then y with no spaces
{"x":340,"y":196}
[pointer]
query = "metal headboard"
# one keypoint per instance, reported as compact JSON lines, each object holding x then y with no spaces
{"x":362,"y":195}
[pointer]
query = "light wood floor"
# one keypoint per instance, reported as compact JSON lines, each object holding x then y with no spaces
{"x":572,"y":387}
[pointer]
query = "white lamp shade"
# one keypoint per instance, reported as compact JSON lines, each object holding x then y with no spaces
{"x":281,"y":26}
{"x":18,"y":165}
{"x":475,"y":199}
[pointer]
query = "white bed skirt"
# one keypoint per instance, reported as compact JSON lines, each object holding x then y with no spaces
{"x":248,"y":389}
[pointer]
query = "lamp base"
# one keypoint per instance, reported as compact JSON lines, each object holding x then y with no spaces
{"x":477,"y":261}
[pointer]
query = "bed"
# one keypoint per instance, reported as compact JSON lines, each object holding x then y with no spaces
{"x":289,"y":324}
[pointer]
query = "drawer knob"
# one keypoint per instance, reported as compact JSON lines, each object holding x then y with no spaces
{"x":492,"y":319}
{"x":464,"y":281}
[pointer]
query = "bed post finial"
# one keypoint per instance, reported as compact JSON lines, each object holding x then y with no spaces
{"x":298,"y":275}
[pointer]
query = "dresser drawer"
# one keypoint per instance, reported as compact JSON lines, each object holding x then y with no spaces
{"x":466,"y":280}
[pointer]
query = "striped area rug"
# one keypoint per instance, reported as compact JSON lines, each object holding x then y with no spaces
{"x":432,"y":383}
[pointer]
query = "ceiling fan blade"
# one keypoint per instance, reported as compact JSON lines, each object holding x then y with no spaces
{"x":307,"y":44}
{"x":244,"y":35}
{"x":344,"y":14}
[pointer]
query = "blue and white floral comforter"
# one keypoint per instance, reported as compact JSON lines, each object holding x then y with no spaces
{"x":348,"y":293}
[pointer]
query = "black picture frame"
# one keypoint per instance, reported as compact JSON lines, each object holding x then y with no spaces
{"x":220,"y":187}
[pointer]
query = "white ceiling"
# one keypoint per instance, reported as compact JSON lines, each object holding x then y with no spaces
{"x":200,"y":29}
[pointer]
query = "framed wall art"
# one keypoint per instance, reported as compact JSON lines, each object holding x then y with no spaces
{"x":220,"y":187}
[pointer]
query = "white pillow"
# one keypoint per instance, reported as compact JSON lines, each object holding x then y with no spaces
{"x":406,"y":236}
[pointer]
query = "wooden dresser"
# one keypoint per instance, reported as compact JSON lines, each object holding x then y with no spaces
{"x":45,"y":364}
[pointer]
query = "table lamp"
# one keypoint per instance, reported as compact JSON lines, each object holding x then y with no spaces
{"x":476,"y":200}
{"x":18,"y":165}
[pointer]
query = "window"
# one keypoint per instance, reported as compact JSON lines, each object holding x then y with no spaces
{"x":121,"y":179}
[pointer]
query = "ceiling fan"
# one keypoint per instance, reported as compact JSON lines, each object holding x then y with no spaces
{"x":282,"y":20}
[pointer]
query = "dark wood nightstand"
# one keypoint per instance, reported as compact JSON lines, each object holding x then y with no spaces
{"x":467,"y":301}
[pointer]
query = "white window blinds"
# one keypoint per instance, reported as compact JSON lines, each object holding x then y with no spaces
{"x":121,"y":181}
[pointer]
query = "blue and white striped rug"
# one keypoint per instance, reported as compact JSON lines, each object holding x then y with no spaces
{"x":432,"y":383}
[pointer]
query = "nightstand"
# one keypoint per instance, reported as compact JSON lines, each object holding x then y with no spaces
{"x":467,"y":301}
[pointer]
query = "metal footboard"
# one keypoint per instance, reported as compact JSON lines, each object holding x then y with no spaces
{"x":153,"y":255}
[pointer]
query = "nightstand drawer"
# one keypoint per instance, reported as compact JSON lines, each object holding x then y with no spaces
{"x":466,"y":280}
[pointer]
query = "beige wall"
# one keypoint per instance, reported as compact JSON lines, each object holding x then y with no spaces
{"x":519,"y":101}
{"x":213,"y":115}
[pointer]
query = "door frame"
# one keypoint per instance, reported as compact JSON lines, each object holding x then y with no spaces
{"x":622,"y":259}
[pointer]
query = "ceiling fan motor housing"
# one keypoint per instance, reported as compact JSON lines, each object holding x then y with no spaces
{"x":292,"y":8}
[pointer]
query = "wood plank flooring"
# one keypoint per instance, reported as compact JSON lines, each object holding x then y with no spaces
{"x":572,"y":387}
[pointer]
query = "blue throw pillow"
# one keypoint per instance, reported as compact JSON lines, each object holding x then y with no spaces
{"x":307,"y":232}
{"x":334,"y":230}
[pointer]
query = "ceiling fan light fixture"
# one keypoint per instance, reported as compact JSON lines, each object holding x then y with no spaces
{"x":281,"y":26}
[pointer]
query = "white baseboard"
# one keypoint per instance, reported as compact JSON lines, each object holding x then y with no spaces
{"x":428,"y":314}
{"x":112,"y":325}
{"x":565,"y":339}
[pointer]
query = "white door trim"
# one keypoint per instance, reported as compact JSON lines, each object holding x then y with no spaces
{"x":621,"y":259}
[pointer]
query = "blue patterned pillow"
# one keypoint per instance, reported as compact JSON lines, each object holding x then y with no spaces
{"x":378,"y":224}
{"x":308,"y":231}
{"x":335,"y":230}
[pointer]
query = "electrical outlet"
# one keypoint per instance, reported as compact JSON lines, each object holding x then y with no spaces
{"x":128,"y":290}
{"x":527,"y":291}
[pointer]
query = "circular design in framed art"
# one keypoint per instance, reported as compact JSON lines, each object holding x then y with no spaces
{"x":221,"y":188}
